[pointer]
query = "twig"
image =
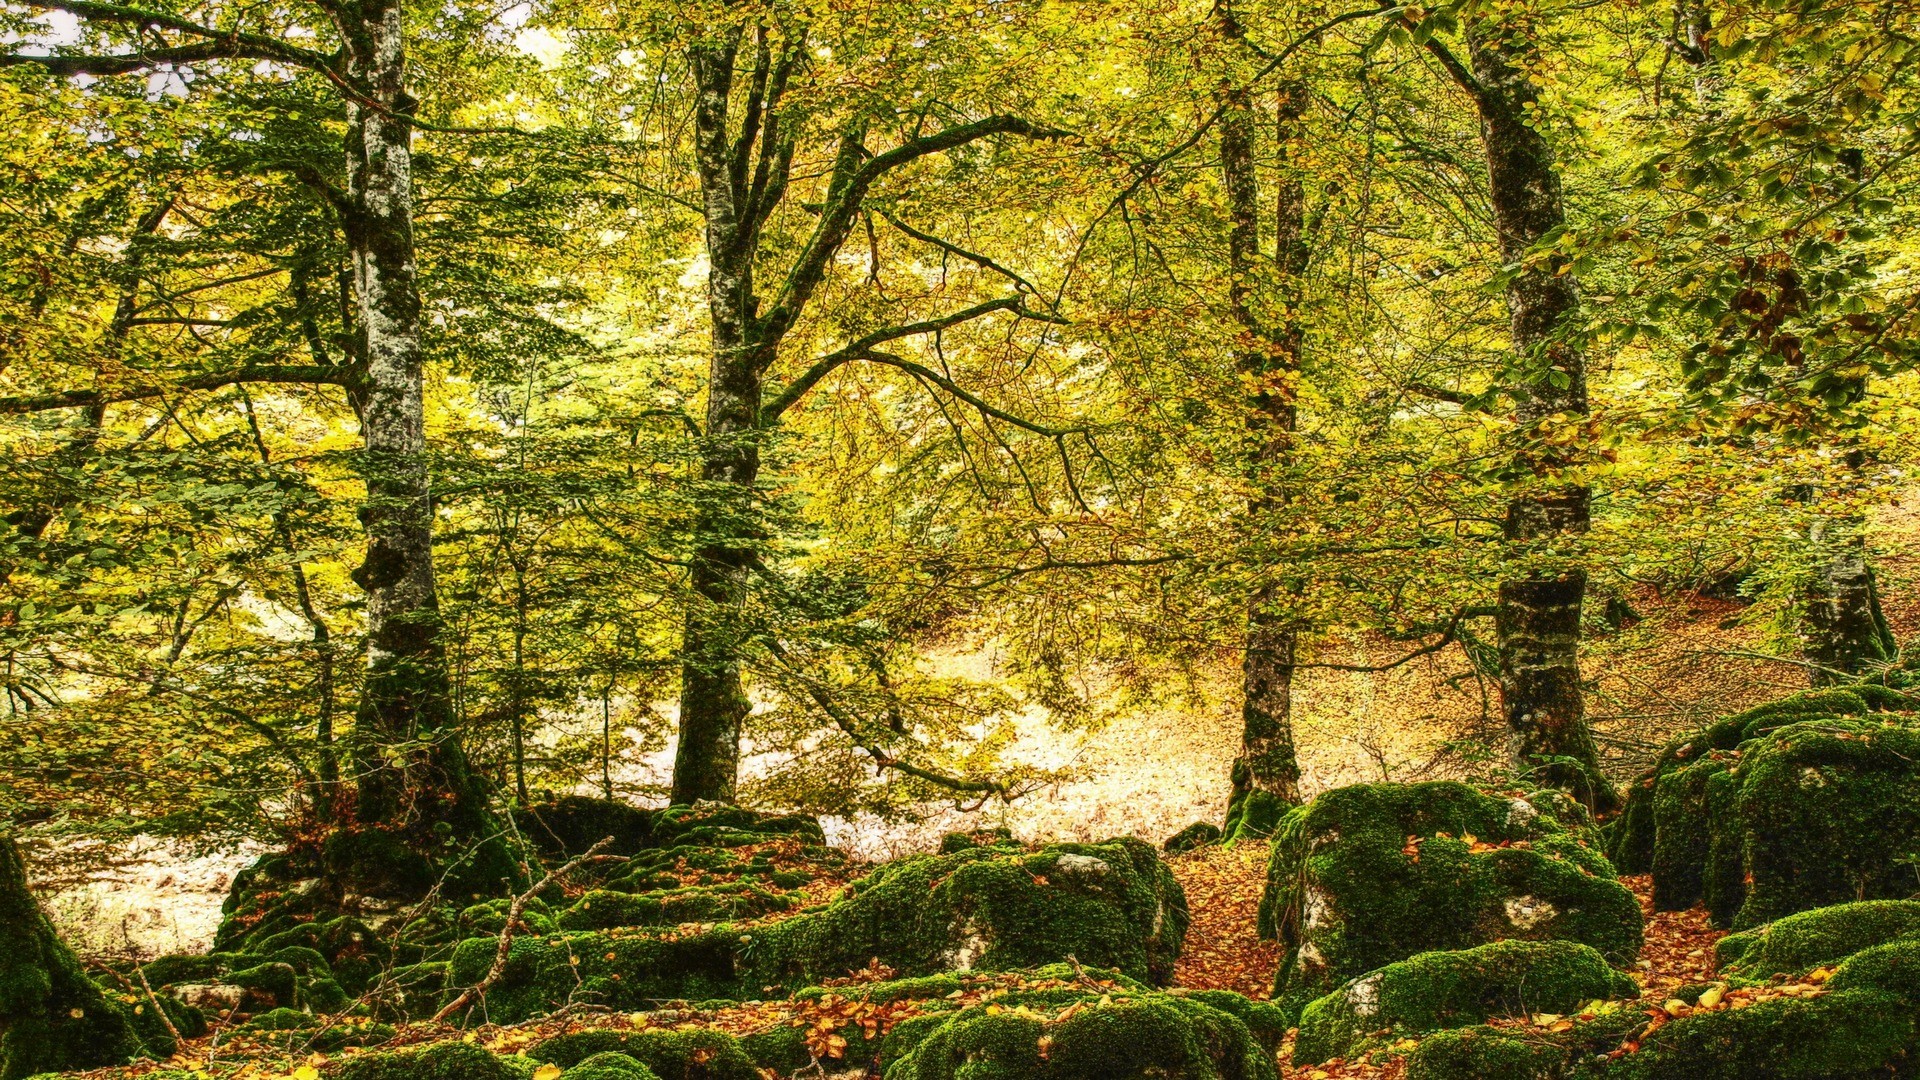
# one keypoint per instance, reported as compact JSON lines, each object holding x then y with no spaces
{"x":514,"y":912}
{"x":178,"y":1042}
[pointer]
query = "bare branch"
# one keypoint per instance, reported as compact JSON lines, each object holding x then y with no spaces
{"x":514,"y":913}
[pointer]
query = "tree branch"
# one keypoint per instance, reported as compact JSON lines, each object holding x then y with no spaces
{"x":514,"y":912}
{"x":217,"y":44}
{"x":295,"y":374}
{"x":857,"y":350}
{"x":846,"y":193}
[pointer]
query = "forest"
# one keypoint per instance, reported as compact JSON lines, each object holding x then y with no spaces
{"x":960,"y":539}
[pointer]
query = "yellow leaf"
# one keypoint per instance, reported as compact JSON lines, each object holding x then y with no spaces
{"x":1712,"y":997}
{"x":547,"y":1072}
{"x":306,"y":1072}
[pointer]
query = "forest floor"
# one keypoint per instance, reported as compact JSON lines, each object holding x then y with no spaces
{"x":1224,"y":950}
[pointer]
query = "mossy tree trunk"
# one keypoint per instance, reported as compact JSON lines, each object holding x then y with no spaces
{"x":1266,"y":772}
{"x":1842,"y":626}
{"x":52,"y":1017}
{"x":1539,"y":602}
{"x":412,"y":769}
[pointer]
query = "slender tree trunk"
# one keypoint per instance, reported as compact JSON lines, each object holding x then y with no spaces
{"x":1266,"y":772}
{"x":411,"y":766}
{"x":1538,"y":620}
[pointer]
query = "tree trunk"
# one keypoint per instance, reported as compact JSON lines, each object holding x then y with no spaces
{"x":408,"y":758}
{"x":713,"y":697}
{"x":1843,"y":627}
{"x":1538,"y":620}
{"x":52,"y":1017}
{"x":1266,"y":772}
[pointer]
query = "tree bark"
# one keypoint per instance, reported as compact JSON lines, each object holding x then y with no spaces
{"x":1266,"y":772}
{"x":1538,"y":621}
{"x":410,"y":764}
{"x":713,"y":697}
{"x":1843,"y":628}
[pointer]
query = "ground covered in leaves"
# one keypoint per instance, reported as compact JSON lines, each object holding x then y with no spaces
{"x":1224,"y":952}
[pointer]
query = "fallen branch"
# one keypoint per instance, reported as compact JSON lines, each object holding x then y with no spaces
{"x":178,"y":1042}
{"x":514,"y":911}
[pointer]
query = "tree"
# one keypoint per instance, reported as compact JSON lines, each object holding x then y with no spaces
{"x":745,"y":141}
{"x":410,"y":767}
{"x":1539,"y":607}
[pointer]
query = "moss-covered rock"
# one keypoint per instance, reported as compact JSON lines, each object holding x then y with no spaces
{"x":601,"y":909}
{"x":1438,"y":990}
{"x":1821,"y":936}
{"x":52,"y":1016}
{"x":1829,"y":812}
{"x":1371,"y":874}
{"x":610,"y":1067}
{"x":441,"y":1061}
{"x":1113,"y":905}
{"x":1485,"y":1054}
{"x":1115,"y":1038}
{"x":570,"y":824}
{"x":1197,"y":835}
{"x":1633,"y":835}
{"x":682,"y":1055}
{"x":1834,"y":1036}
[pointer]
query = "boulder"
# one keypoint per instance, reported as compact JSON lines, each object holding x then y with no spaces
{"x":1113,"y":905}
{"x":1439,"y":990}
{"x":1376,"y":873}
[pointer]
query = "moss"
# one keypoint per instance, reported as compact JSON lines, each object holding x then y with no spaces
{"x":52,"y":1016}
{"x":282,"y":1019}
{"x":681,"y":1055}
{"x":441,"y":1061}
{"x":570,"y":824}
{"x":1153,"y":1035}
{"x":1368,"y":875}
{"x":1253,"y":815}
{"x":1830,"y":1037}
{"x":1483,"y":1054}
{"x":1830,"y":812}
{"x":961,"y":841}
{"x":610,"y":1067}
{"x":1813,"y":938}
{"x":1197,"y":835}
{"x":1438,"y":990}
{"x":600,"y":909}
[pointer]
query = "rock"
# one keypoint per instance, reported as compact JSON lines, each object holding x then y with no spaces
{"x":1438,"y":990}
{"x":1369,"y":875}
{"x":1197,"y":835}
{"x":1807,"y":813}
